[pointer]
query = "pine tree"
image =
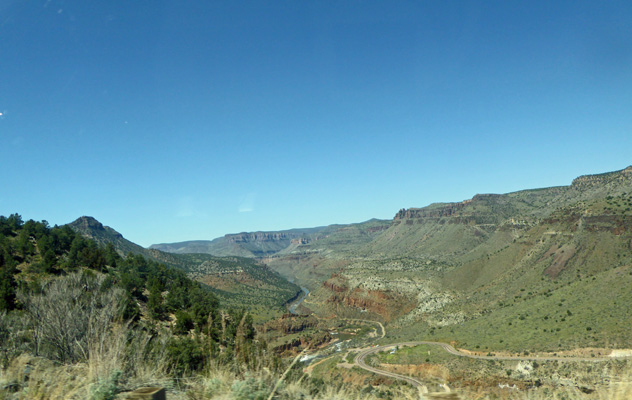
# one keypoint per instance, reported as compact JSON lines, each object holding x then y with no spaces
{"x":154,"y":301}
{"x":8,"y":286}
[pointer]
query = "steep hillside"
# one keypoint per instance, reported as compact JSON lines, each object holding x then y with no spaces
{"x":446,"y":231}
{"x":237,"y":281}
{"x":78,"y":321}
{"x":515,"y":262}
{"x":102,"y":235}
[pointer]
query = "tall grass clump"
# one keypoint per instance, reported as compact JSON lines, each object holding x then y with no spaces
{"x":71,"y":341}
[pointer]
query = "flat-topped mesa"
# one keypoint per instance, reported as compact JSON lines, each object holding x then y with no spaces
{"x":260,"y":237}
{"x":432,"y":211}
{"x":600,"y":179}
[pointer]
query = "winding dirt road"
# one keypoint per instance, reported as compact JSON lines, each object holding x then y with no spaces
{"x":360,"y":358}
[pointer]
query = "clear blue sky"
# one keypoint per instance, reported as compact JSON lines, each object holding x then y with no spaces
{"x":173,"y":121}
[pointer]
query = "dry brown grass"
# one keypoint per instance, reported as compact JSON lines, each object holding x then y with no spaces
{"x":94,"y":356}
{"x":221,"y":383}
{"x":113,"y":365}
{"x":621,"y":390}
{"x":37,"y":378}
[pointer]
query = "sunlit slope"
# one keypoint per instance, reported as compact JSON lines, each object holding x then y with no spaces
{"x":589,"y":231}
{"x":455,"y":231}
{"x":238,"y":281}
{"x":560,"y":283}
{"x":497,"y":270}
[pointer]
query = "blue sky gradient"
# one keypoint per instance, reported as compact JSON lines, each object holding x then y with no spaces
{"x":172,"y":121}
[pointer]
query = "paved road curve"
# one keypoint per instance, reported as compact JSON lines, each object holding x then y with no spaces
{"x":359,"y":361}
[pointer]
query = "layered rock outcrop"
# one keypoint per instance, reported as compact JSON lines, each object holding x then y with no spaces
{"x":488,"y":209}
{"x":260,"y":237}
{"x":585,"y":181}
{"x":91,"y":227}
{"x":290,"y":323}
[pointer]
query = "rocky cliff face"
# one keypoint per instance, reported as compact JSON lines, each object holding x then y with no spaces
{"x":90,"y":227}
{"x":299,"y":241}
{"x":294,"y":346}
{"x":481,"y":209}
{"x":290,"y":323}
{"x":343,"y":294}
{"x":446,"y":210}
{"x":86,"y":223}
{"x":336,"y":284}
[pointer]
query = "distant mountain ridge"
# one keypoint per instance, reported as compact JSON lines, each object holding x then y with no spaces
{"x":264,"y":244}
{"x":238,"y":281}
{"x":433,"y":230}
{"x":246,"y":244}
{"x":414,"y":231}
{"x":444,"y":232}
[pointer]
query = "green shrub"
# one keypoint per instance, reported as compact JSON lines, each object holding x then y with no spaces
{"x":185,"y":355}
{"x":107,"y":389}
{"x":184,"y":322}
{"x":250,"y":389}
